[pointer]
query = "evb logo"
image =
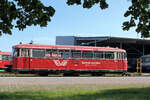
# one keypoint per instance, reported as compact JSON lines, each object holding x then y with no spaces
{"x":60,"y":63}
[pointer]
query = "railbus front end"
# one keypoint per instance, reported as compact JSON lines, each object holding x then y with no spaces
{"x":146,"y":63}
{"x":5,"y":59}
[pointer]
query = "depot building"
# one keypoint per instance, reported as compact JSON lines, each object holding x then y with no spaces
{"x":134,"y":47}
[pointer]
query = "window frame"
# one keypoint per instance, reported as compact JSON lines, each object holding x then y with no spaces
{"x":108,"y":56}
{"x":16,"y":50}
{"x":63,"y":53}
{"x":76,"y":51}
{"x":6,"y":57}
{"x":38,"y":53}
{"x":86,"y":56}
{"x":122,"y":55}
{"x":101,"y":53}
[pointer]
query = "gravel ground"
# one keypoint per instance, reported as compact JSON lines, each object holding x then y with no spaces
{"x":12,"y":84}
{"x":73,"y":80}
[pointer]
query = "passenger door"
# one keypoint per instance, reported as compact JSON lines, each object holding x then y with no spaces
{"x":119,"y":61}
{"x":25,"y":59}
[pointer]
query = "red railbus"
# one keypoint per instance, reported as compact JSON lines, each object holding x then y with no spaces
{"x":5,"y":58}
{"x":68,"y":59}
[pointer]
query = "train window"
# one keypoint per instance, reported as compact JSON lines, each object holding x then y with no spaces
{"x":9,"y":57}
{"x":24,"y":52}
{"x":76,"y":54}
{"x":124,"y":56}
{"x":16,"y":53}
{"x":52,"y":54}
{"x":121,"y":55}
{"x":109,"y":55}
{"x":6,"y":57}
{"x":64,"y":53}
{"x":38,"y":53}
{"x":87,"y":55}
{"x":48,"y":53}
{"x":98,"y":55}
{"x":55,"y":54}
{"x":145,"y":59}
{"x":0,"y":57}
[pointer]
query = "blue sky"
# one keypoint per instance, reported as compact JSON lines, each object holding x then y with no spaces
{"x":76,"y":21}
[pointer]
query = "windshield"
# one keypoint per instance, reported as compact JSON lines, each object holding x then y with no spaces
{"x":15,"y":52}
{"x":146,"y":59}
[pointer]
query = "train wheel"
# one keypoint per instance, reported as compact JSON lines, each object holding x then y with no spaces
{"x":97,"y":74}
{"x":65,"y":74}
{"x":43,"y":73}
{"x":76,"y":74}
{"x":71,"y":74}
{"x":8,"y":68}
{"x":23,"y":72}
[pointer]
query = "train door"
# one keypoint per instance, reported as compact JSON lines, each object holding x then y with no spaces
{"x":25,"y":59}
{"x":19,"y":59}
{"x":16,"y":58}
{"x":119,"y":61}
{"x":122,"y":60}
{"x":116,"y":61}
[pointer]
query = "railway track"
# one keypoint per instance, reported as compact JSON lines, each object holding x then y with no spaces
{"x":12,"y":74}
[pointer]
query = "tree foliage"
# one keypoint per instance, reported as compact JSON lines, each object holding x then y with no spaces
{"x":33,"y":12}
{"x":89,"y":3}
{"x":24,"y":13}
{"x":139,"y":13}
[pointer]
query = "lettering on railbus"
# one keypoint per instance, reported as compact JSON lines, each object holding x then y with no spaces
{"x":90,"y":62}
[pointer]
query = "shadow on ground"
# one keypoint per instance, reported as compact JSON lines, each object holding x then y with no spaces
{"x":115,"y":94}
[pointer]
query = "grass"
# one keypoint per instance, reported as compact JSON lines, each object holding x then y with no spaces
{"x":16,"y":75}
{"x":78,"y":92}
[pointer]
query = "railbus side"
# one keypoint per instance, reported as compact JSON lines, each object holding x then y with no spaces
{"x":56,"y":60}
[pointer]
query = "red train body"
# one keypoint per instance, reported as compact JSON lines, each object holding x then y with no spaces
{"x":81,"y":59}
{"x":5,"y":59}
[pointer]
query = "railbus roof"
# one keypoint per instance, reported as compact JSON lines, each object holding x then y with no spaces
{"x":148,"y":55}
{"x":5,"y":53}
{"x":66,"y":47}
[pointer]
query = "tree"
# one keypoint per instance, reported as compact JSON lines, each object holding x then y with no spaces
{"x":24,"y":13}
{"x":33,"y":12}
{"x":139,"y":13}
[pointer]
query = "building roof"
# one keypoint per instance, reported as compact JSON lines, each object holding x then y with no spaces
{"x":115,"y":39}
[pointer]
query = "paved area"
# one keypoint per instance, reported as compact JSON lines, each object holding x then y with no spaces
{"x":16,"y":84}
{"x":73,"y":80}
